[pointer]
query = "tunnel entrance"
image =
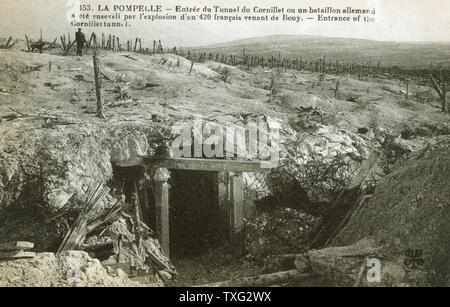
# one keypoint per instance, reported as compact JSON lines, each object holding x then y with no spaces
{"x":196,"y":221}
{"x":191,"y":204}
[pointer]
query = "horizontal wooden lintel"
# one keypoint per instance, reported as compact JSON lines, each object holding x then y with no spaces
{"x":210,"y":165}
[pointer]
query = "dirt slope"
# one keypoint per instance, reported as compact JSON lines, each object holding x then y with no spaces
{"x":411,"y":210}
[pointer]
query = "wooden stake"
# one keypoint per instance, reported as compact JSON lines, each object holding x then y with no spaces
{"x":336,"y":90}
{"x":8,"y":42}
{"x":98,"y":84}
{"x":135,"y":44}
{"x":28,"y":43}
{"x":407,"y":89}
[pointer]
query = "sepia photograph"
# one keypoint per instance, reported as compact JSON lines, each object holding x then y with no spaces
{"x":206,"y":145}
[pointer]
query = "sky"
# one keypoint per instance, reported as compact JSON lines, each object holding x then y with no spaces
{"x":396,"y":20}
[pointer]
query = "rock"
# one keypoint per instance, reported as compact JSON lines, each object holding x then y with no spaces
{"x":363,"y":130}
{"x":302,"y":263}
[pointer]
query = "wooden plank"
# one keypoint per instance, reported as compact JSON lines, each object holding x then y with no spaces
{"x":237,"y":202}
{"x":348,"y":217}
{"x":16,"y":246}
{"x":208,"y":165}
{"x":365,"y":169}
{"x":237,"y":212}
{"x":222,"y":201}
{"x":16,"y":255}
{"x":162,"y":208}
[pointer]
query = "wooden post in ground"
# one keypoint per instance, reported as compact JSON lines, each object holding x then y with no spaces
{"x":336,"y":90}
{"x":89,"y":44}
{"x":237,"y":232}
{"x":8,"y":42}
{"x":192,"y":66}
{"x":407,"y":88}
{"x":98,"y":83}
{"x":442,"y":92}
{"x":222,"y":186}
{"x":162,"y":208}
{"x":28,"y":43}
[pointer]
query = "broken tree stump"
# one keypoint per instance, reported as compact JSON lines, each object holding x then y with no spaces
{"x":66,"y":52}
{"x":28,"y":43}
{"x":8,"y":42}
{"x":441,"y":91}
{"x":98,"y":84}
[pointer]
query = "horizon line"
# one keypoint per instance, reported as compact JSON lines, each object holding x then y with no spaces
{"x":321,"y":36}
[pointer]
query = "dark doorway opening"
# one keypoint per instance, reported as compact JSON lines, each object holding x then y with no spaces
{"x":196,"y":221}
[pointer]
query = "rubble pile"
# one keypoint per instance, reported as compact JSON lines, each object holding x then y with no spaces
{"x":69,"y":269}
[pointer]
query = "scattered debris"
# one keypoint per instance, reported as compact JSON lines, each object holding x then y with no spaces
{"x":68,"y":269}
{"x":262,"y":280}
{"x":130,"y":57}
{"x":92,"y":215}
{"x":16,"y":250}
{"x":51,"y":85}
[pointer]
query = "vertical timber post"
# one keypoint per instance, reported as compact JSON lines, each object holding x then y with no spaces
{"x":222,"y":201}
{"x":237,"y":212}
{"x":162,"y":208}
{"x":98,"y":82}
